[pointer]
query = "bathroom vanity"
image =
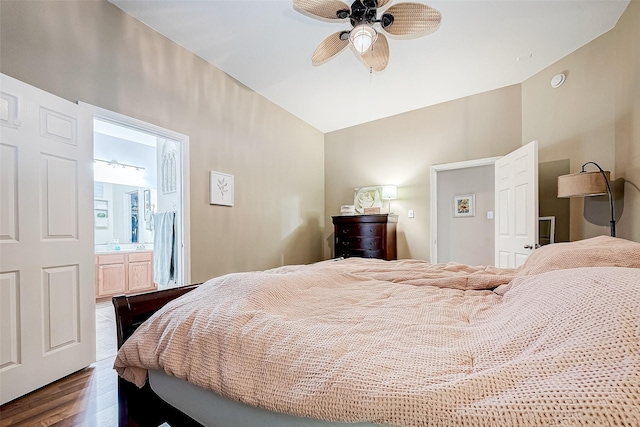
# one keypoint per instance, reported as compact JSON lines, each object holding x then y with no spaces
{"x":123,"y":272}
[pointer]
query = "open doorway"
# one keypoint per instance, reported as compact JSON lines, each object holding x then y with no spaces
{"x":466,"y":238}
{"x":509,"y":208}
{"x":140,"y":173}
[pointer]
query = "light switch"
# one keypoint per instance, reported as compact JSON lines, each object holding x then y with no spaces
{"x":489,"y":214}
{"x":410,"y":212}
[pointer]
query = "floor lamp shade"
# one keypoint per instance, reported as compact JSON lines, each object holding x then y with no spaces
{"x":583,"y":184}
{"x":586,"y":184}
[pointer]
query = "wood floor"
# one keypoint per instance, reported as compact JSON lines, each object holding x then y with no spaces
{"x":87,"y":398}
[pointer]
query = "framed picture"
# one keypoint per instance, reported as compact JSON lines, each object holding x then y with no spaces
{"x":367,"y":197}
{"x":464,"y":205}
{"x":220,"y":189}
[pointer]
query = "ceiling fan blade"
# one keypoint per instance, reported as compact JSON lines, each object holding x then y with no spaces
{"x":377,"y":57}
{"x":413,"y":19}
{"x":321,"y":8}
{"x":330,"y":47}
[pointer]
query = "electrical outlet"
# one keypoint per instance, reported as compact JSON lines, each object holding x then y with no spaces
{"x":410,"y":213}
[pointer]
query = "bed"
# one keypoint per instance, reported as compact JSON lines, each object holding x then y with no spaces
{"x":395,"y":343}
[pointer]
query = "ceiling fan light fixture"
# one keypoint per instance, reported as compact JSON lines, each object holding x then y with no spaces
{"x":362,"y":37}
{"x":402,"y":19}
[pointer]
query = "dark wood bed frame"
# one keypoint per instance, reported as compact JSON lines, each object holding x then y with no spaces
{"x":141,"y":406}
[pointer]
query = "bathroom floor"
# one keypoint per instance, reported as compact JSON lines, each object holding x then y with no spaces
{"x":106,"y":337}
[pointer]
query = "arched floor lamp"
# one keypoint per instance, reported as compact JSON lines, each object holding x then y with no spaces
{"x":585,"y":184}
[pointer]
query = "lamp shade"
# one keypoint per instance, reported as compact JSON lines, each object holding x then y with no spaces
{"x":583,"y":184}
{"x":389,"y":192}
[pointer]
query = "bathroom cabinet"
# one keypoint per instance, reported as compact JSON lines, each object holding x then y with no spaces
{"x":123,"y":273}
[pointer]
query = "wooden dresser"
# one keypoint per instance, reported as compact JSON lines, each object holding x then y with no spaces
{"x":366,"y":236}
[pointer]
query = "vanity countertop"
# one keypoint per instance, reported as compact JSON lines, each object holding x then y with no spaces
{"x":127,"y":247}
{"x":105,"y":252}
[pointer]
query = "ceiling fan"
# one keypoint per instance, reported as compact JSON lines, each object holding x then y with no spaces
{"x":403,"y":19}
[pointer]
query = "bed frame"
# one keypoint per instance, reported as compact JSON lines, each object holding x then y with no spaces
{"x":142,"y":407}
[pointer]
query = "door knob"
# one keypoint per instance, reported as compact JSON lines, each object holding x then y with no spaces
{"x":528,"y":246}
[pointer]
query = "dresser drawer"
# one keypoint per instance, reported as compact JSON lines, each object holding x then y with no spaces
{"x":361,"y":253}
{"x":360,"y":230}
{"x":369,"y":254}
{"x":368,"y":243}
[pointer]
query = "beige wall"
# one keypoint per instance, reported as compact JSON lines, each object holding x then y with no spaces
{"x":401,"y":150}
{"x":627,"y":120}
{"x":93,"y":52}
{"x":575,"y":121}
{"x":594,"y":116}
{"x":288,"y":184}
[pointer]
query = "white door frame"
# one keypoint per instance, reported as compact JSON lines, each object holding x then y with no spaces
{"x":435,"y":169}
{"x":184,"y":256}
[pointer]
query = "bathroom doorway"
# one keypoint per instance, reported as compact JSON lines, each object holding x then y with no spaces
{"x":141,"y":173}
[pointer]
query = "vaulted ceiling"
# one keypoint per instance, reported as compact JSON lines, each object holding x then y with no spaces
{"x":480,"y":46}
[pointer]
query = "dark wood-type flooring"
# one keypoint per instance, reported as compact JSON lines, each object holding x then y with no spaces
{"x":86,"y":398}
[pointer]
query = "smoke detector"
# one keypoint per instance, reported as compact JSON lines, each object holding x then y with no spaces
{"x":558,"y":80}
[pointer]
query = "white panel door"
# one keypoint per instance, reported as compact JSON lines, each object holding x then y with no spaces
{"x":516,"y":217}
{"x":47,"y":280}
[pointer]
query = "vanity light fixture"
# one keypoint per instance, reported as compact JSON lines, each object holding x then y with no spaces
{"x":115,"y":164}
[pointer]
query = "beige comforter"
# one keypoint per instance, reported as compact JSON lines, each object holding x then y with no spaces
{"x":370,"y":340}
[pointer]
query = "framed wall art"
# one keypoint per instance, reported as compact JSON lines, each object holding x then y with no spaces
{"x":367,"y":197}
{"x":464,"y":205}
{"x":220,"y":189}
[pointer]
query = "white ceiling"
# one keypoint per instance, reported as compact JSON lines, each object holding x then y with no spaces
{"x":480,"y":46}
{"x":124,"y":133}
